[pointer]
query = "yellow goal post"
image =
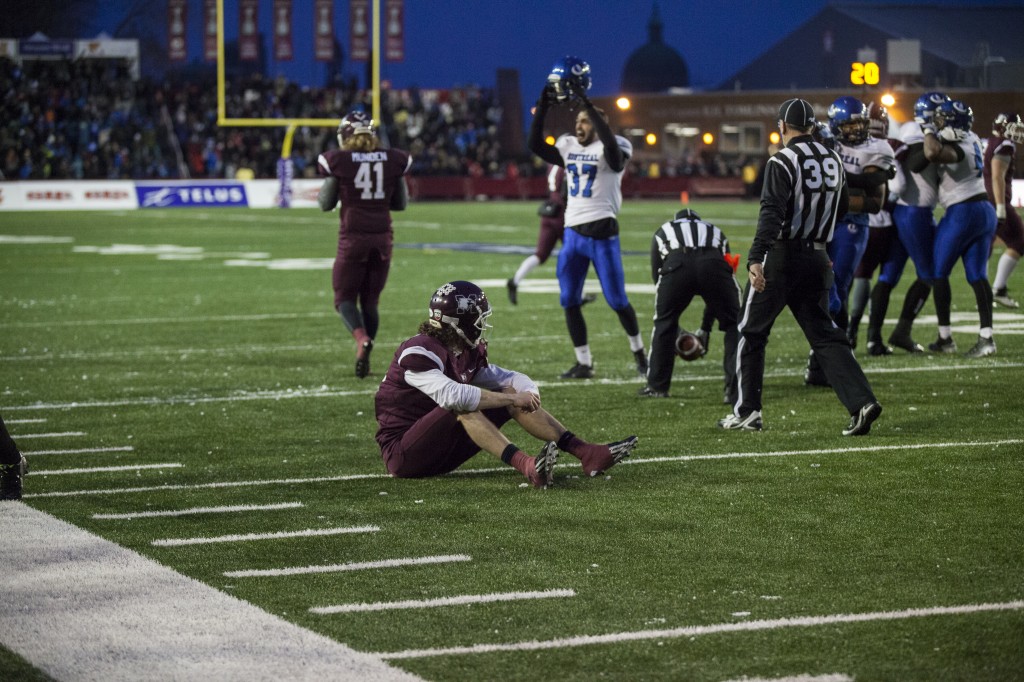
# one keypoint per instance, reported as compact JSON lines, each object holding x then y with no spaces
{"x":284,"y":166}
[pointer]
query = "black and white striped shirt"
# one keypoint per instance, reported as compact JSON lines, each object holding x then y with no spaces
{"x":676,"y":236}
{"x":804,"y":192}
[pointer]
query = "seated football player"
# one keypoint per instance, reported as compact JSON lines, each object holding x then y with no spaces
{"x":441,"y":401}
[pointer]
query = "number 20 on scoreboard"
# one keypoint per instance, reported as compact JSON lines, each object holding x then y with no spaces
{"x":864,"y":73}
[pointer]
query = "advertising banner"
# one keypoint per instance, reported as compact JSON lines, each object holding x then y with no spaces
{"x":190,"y":194}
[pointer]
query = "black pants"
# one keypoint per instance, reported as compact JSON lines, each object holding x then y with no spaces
{"x":700,"y":272}
{"x":798,"y":276}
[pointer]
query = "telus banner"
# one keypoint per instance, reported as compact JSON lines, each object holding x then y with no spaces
{"x":164,"y":195}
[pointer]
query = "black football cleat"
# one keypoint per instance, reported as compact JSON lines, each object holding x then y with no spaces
{"x":941,"y":345}
{"x":734,"y":422}
{"x":513,"y":292}
{"x":982,"y":348}
{"x":363,"y":359}
{"x":904,"y":342}
{"x":860,"y":423}
{"x":641,"y":362}
{"x":579,"y":371}
{"x":648,"y":392}
{"x":877,"y":348}
{"x":10,"y":479}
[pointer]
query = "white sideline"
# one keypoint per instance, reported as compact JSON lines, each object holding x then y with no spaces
{"x":352,"y":566}
{"x":79,"y":607}
{"x":248,"y":537}
{"x":200,"y":510}
{"x":698,"y":630}
{"x":442,"y":601}
{"x":491,"y":470}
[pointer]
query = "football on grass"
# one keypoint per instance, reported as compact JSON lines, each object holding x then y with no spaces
{"x":688,"y":346}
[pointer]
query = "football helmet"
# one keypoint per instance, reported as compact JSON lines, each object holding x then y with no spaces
{"x":878,"y":120}
{"x":687,"y":214}
{"x":569,"y":78}
{"x":464,"y":307}
{"x":823,"y":135}
{"x":1002,"y":120}
{"x":954,"y":118}
{"x":355,"y":123}
{"x":926,"y":104}
{"x":848,"y":120}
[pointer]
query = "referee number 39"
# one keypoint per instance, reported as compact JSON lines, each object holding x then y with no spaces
{"x":824,"y":172}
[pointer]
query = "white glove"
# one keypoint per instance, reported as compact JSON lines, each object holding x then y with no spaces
{"x":1000,"y":211}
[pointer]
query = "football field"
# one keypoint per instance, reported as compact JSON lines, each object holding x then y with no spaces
{"x":184,"y":393}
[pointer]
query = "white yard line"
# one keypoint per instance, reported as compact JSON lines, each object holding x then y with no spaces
{"x":62,"y":434}
{"x":200,"y":510}
{"x":79,"y":607}
{"x":442,"y":601}
{"x":352,"y":566}
{"x":78,"y":451}
{"x":699,"y":630}
{"x":104,"y":470}
{"x":831,"y":677}
{"x":324,"y":392}
{"x":24,"y":421}
{"x":490,"y":470}
{"x":249,"y":537}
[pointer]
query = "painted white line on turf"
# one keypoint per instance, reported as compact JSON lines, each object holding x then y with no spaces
{"x":103,"y":470}
{"x":352,"y":566}
{"x":443,"y":601}
{"x":24,"y":421}
{"x":699,"y":630}
{"x":491,"y":470}
{"x":834,"y":677}
{"x":249,"y":537}
{"x":79,"y":451}
{"x":301,"y":393}
{"x":200,"y":510}
{"x":26,"y":436}
{"x":167,"y":320}
{"x":80,"y":607}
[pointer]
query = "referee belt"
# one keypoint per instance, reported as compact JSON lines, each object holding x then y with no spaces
{"x":803,"y":245}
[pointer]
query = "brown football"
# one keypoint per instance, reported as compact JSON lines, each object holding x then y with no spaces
{"x":688,"y":346}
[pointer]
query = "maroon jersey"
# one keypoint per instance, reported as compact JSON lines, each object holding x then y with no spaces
{"x":1006,"y":150}
{"x":366,"y":183}
{"x":399,"y":405}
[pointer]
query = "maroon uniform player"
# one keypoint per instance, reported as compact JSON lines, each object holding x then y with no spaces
{"x":998,"y":169}
{"x":442,"y":402}
{"x":369,"y":182}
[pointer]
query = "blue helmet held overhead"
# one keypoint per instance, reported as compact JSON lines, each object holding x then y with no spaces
{"x":926,"y":104}
{"x":569,"y":78}
{"x":848,"y":120}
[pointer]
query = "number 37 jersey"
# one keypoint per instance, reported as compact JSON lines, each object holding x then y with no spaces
{"x":594,"y":189}
{"x":366,"y":183}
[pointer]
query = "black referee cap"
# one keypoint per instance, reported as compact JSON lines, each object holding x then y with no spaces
{"x":797,"y":112}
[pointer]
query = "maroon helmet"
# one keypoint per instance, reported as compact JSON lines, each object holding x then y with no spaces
{"x":878,"y":120}
{"x":464,"y":307}
{"x":1002,"y":120}
{"x":355,"y":123}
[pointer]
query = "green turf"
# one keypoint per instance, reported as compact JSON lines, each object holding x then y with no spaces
{"x":243,"y":373}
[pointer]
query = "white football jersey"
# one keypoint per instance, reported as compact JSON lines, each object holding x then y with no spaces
{"x":595,"y":190}
{"x":872,"y":152}
{"x":961,"y":180}
{"x":917,"y":189}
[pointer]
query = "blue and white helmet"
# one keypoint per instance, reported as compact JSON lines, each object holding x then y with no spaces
{"x":954,"y":119}
{"x":569,"y":78}
{"x":926,"y":104}
{"x":848,"y":120}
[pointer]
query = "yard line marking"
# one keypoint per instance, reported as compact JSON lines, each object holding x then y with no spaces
{"x":353,"y":566}
{"x":80,"y":451}
{"x":309,"y":532}
{"x":100,"y":470}
{"x":299,"y":393}
{"x":168,"y":320}
{"x":699,"y":630}
{"x":25,"y":436}
{"x":25,"y":421}
{"x":443,"y":601}
{"x":831,"y":677}
{"x":78,"y":606}
{"x":200,"y":510}
{"x":473,"y":472}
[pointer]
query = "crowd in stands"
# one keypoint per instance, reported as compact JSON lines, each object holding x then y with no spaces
{"x":87,"y":119}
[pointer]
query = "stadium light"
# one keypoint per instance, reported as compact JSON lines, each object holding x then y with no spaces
{"x":708,"y":138}
{"x":888,"y":100}
{"x":774,"y":137}
{"x":623,"y":103}
{"x":651,"y":139}
{"x":550,"y":139}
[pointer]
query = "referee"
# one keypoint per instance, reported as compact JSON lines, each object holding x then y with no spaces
{"x":804,"y":190}
{"x":687,"y":260}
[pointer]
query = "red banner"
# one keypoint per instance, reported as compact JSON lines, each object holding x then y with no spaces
{"x":210,"y":30}
{"x":248,"y":31}
{"x":394,"y":30}
{"x":359,"y":21}
{"x":323,"y":30}
{"x":283,"y":30}
{"x":177,"y":18}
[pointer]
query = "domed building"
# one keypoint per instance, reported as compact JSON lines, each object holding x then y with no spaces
{"x":654,"y":67}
